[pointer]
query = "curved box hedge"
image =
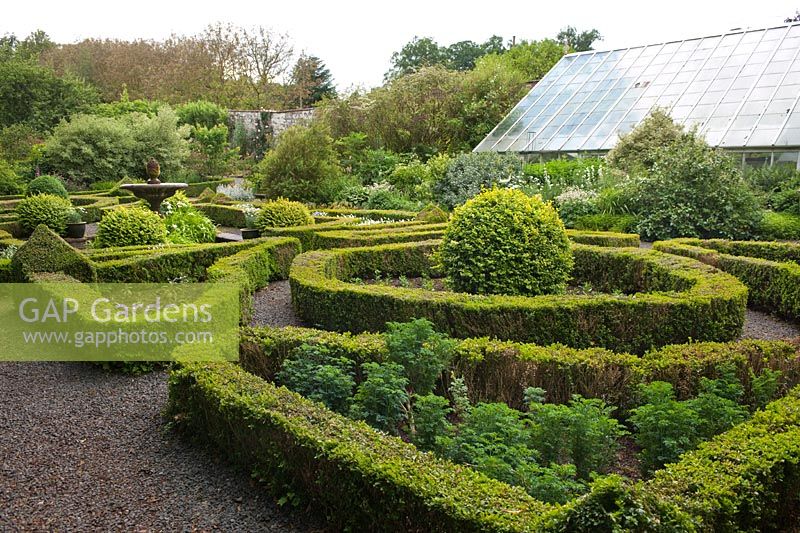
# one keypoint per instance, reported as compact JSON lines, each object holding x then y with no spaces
{"x":773,"y":285}
{"x":662,"y":299}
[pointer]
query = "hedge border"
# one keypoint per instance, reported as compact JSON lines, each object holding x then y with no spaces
{"x":500,"y":370}
{"x":772,"y":286}
{"x":708,"y":304}
{"x":604,"y":238}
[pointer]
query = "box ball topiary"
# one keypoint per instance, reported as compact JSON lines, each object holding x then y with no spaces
{"x":48,"y":209}
{"x":283,"y":213}
{"x":506,"y":242}
{"x":47,"y":185}
{"x":131,"y":226}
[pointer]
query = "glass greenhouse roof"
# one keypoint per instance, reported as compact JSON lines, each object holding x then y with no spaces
{"x":740,"y":89}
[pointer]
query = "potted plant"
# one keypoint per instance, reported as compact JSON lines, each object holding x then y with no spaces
{"x":250,"y":214}
{"x":76,"y":227}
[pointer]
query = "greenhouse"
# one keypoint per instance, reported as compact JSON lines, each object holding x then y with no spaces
{"x":740,"y":90}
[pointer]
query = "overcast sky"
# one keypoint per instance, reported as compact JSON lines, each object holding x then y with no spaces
{"x":357,"y":38}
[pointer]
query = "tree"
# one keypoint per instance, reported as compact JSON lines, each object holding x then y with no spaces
{"x":532,"y":59}
{"x":578,"y":42}
{"x":33,"y":95}
{"x":463,"y":55}
{"x":419,"y":53}
{"x":311,"y":81}
{"x":27,"y":49}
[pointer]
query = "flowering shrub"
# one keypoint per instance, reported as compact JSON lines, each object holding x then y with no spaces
{"x":575,"y":203}
{"x":240,"y":192}
{"x":251,"y":214}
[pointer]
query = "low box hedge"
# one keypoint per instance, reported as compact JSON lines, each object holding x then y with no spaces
{"x":360,"y":478}
{"x":772,"y":286}
{"x":603,"y":238}
{"x":195,"y":189}
{"x":348,"y":238}
{"x":254,"y":268}
{"x":500,"y":370}
{"x":223,"y":215}
{"x":663,"y":299}
{"x":169,"y":263}
{"x":374,"y":214}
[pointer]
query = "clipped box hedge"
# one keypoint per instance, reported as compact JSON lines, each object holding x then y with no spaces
{"x":675,"y":300}
{"x":361,"y":478}
{"x":500,"y":370}
{"x":604,"y":238}
{"x":223,"y":215}
{"x":254,"y":268}
{"x":195,"y":189}
{"x":772,"y":286}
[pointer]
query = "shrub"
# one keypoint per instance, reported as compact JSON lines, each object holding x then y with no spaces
{"x":386,"y":198}
{"x":420,"y":350}
{"x":694,"y":190}
{"x":779,"y":226}
{"x":47,"y":209}
{"x":47,"y":252}
{"x":236,"y":191}
{"x":212,"y":147}
{"x":282,"y":213}
{"x":602,"y":222}
{"x":47,"y":185}
{"x":189,"y":226}
{"x":9,"y":180}
{"x":575,"y":203}
{"x":131,"y":226}
{"x":301,"y":167}
{"x":318,"y":374}
{"x":359,"y":159}
{"x":432,"y":213}
{"x":505,"y":242}
{"x":468,"y":174}
{"x":202,"y":113}
{"x":641,"y":148}
{"x":413,"y":179}
{"x":554,"y":177}
{"x":381,"y":398}
{"x":91,"y":148}
{"x":430,"y":420}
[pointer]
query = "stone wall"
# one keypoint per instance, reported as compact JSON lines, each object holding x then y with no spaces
{"x":272,"y":122}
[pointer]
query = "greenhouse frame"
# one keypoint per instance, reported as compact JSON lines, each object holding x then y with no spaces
{"x":739,"y":89}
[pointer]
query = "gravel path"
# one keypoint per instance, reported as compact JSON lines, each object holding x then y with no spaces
{"x":86,"y":450}
{"x":760,"y":325}
{"x":272,"y":306}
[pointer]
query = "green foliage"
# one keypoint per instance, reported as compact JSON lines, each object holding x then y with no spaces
{"x":420,"y":350}
{"x":9,"y":180}
{"x":582,"y":433}
{"x":358,"y":158}
{"x":312,"y":81}
{"x":212,"y":145}
{"x":505,"y":242}
{"x":189,"y":226}
{"x":319,"y":374}
{"x":468,"y":174}
{"x":47,"y":209}
{"x":131,"y":226}
{"x":202,"y":113}
{"x":282,"y":213}
{"x":779,"y":226}
{"x":33,"y":95}
{"x":578,"y":42}
{"x":430,"y":420}
{"x":666,"y":428}
{"x":91,"y":148}
{"x":459,"y":395}
{"x":552,"y":178}
{"x":17,"y":144}
{"x":432,"y":213}
{"x":413,"y":179}
{"x":381,"y":397}
{"x":425,"y":52}
{"x":47,"y":185}
{"x":531,"y":59}
{"x":386,"y":198}
{"x":694,"y":190}
{"x":573,"y":204}
{"x":125,"y":106}
{"x":46,"y":252}
{"x":641,"y":148}
{"x":606,"y":222}
{"x":303,"y":166}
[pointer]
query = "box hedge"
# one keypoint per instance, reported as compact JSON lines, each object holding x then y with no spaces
{"x":500,"y":370}
{"x":772,"y":286}
{"x":661,"y":299}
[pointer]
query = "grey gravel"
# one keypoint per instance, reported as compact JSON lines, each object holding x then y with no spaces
{"x":272,"y":306}
{"x":86,"y":450}
{"x":760,"y":325}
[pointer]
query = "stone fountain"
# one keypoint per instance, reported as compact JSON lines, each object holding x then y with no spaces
{"x":154,"y":192}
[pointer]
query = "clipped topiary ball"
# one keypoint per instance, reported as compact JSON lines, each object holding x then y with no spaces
{"x":48,"y":209}
{"x":130,"y":226}
{"x":283,"y":213}
{"x":47,"y":185}
{"x":506,"y":242}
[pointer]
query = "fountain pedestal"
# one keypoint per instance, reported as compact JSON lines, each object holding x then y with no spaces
{"x":154,"y":192}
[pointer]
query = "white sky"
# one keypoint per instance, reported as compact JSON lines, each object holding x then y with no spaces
{"x":356,"y":38}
